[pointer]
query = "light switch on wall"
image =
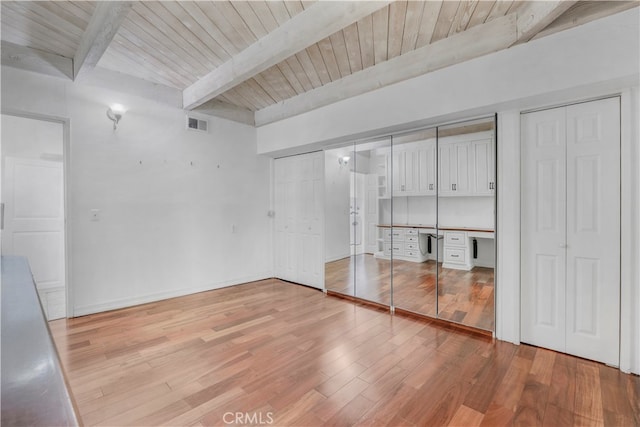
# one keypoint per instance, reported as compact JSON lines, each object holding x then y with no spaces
{"x":95,"y":215}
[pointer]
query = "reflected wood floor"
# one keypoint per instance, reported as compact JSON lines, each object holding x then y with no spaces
{"x":285,"y":352}
{"x":464,"y":296}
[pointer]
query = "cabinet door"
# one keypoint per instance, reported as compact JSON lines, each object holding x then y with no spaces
{"x":410,"y":171}
{"x":426,"y":170}
{"x":464,"y":169}
{"x":483,"y":181}
{"x":448,"y":169}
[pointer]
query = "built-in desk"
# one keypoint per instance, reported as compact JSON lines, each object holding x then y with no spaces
{"x":457,"y":246}
{"x":34,"y":392}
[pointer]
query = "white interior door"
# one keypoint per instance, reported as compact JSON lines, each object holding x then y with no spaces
{"x":33,"y":197}
{"x":593,"y":230}
{"x":543,"y":229}
{"x":310,"y":213}
{"x":299,"y":245}
{"x":571,"y":229}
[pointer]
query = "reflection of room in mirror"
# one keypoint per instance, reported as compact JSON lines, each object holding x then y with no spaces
{"x":382,"y":243}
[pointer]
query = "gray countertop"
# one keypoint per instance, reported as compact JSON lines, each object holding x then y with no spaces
{"x":34,"y":392}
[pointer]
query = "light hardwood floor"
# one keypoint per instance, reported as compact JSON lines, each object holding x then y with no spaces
{"x":287,"y":352}
{"x":465,"y":297}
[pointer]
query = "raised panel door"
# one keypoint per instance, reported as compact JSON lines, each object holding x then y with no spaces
{"x":483,"y":182}
{"x":464,"y":168}
{"x":33,"y":193}
{"x":593,"y":231}
{"x":427,"y":169}
{"x":571,"y":229}
{"x":448,"y":169}
{"x":543,"y":229}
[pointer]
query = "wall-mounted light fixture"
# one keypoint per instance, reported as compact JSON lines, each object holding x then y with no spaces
{"x":115,"y":113}
{"x":344,"y":160}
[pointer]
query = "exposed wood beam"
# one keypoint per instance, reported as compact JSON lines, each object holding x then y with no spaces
{"x":103,"y":26}
{"x":227,"y":111}
{"x":584,"y":12}
{"x":314,"y":24}
{"x":36,"y":60}
{"x":481,"y":40}
{"x":537,"y":15}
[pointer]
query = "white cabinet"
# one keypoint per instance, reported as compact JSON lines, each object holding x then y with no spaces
{"x":483,"y":167}
{"x":457,"y":250}
{"x":455,"y":168}
{"x":299,"y":216}
{"x":404,"y":243}
{"x":426,"y":171}
{"x":467,"y":165}
{"x":414,"y":169}
{"x":404,"y":172}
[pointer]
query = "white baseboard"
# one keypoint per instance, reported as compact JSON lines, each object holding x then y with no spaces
{"x":144,"y":299}
{"x":337,"y":258}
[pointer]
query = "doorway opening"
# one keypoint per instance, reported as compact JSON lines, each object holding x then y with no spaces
{"x":33,"y":204}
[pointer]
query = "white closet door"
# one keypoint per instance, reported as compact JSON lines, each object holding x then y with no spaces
{"x":310,"y":213}
{"x":593,"y":230}
{"x":571,"y":229}
{"x":543,"y":229}
{"x":299,"y":246}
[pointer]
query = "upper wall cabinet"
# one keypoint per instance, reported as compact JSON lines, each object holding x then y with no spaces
{"x":466,"y":165}
{"x":414,"y":169}
{"x":484,"y":167}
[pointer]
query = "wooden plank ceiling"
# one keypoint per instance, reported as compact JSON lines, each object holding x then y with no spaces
{"x":178,"y":43}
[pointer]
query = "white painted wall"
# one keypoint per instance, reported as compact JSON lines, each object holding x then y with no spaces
{"x":166,"y":225}
{"x":596,"y":59}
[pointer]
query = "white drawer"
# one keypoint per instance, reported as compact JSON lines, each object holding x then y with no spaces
{"x":386,"y":249}
{"x":411,"y":232}
{"x":386,"y":234}
{"x":455,"y":238}
{"x":411,"y":253}
{"x":397,"y":234}
{"x":411,"y":246}
{"x":455,"y":255}
{"x":411,"y":238}
{"x":397,"y":248}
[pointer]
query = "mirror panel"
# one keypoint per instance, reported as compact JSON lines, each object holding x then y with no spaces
{"x":339,"y":266}
{"x":466,"y":222}
{"x":372,"y":204}
{"x":413,"y":234}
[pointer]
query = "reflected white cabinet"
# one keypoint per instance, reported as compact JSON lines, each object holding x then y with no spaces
{"x":455,"y":168}
{"x":299,"y":216}
{"x":484,"y":182}
{"x":426,"y":171}
{"x":467,"y":165}
{"x":404,"y":172}
{"x":414,"y":169}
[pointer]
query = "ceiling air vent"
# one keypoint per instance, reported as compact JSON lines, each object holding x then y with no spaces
{"x":194,"y":123}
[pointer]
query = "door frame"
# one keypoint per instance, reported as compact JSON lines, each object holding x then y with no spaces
{"x":66,"y":168}
{"x":509,"y":155}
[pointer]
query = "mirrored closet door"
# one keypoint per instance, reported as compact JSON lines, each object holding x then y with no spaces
{"x":339,"y":230}
{"x":411,"y":239}
{"x":410,"y":221}
{"x":466,"y":222}
{"x":357,"y":195}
